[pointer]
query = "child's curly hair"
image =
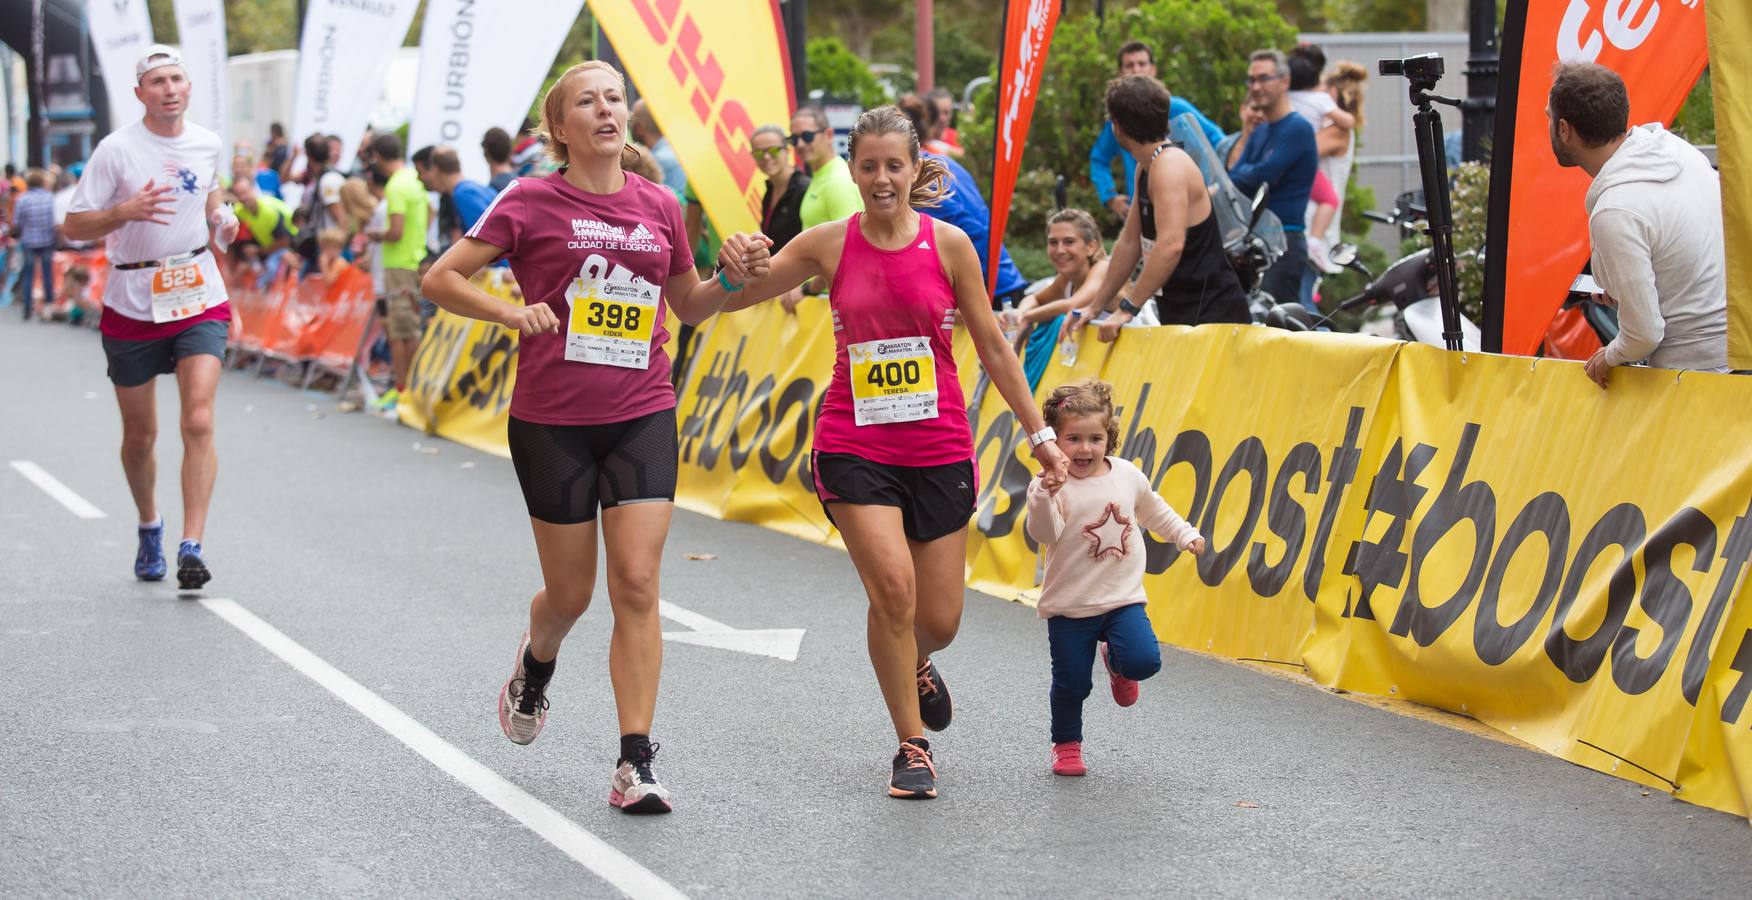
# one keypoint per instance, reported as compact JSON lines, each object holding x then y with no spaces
{"x":1089,"y":397}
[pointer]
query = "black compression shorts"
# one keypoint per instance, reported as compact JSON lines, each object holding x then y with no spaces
{"x":934,"y":501}
{"x":568,"y":471}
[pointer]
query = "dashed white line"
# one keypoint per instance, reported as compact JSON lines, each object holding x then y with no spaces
{"x":569,"y":837}
{"x":52,"y":486}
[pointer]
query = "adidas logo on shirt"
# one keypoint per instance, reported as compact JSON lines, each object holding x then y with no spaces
{"x":924,"y":245}
{"x":589,"y":234}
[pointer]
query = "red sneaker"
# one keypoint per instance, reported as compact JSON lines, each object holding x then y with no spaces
{"x":1067,"y":759}
{"x":1125,"y":690}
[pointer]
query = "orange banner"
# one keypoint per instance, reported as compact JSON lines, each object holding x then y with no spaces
{"x":1028,"y":26}
{"x":709,"y":89}
{"x":1539,"y":223}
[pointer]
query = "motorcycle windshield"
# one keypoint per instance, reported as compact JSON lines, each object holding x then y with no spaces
{"x":1233,"y":209}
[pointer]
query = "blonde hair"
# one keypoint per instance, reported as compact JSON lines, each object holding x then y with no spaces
{"x":1089,"y":397}
{"x":642,"y":163}
{"x":553,"y":105}
{"x":1347,"y":81}
{"x":1086,"y":229}
{"x":357,"y":202}
{"x":932,"y":185}
{"x":331,"y":237}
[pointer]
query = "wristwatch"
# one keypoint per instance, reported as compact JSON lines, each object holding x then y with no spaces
{"x":1128,"y":307}
{"x":1041,"y":437}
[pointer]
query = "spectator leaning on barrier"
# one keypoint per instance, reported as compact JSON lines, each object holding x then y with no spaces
{"x":1135,"y":58}
{"x":1655,"y":220}
{"x":322,"y":198}
{"x":33,"y":222}
{"x":404,"y":246}
{"x":1277,"y":148}
{"x":496,"y":147}
{"x":269,"y":221}
{"x":832,"y":195}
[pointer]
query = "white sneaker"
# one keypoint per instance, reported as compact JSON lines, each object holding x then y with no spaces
{"x":635,"y":790}
{"x":523,"y":708}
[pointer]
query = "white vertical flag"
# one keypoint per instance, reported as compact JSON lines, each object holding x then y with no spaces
{"x":481,"y":64}
{"x":200,"y":26}
{"x":342,"y":60}
{"x":121,"y":31}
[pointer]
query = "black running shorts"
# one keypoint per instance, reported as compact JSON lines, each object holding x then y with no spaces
{"x":133,"y":363}
{"x":568,"y":471}
{"x":934,"y":501}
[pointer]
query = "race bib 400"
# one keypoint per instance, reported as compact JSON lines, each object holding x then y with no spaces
{"x":893,"y":380}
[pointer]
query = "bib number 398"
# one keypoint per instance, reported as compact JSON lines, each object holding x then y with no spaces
{"x":611,"y":322}
{"x":893,"y":381}
{"x":178,"y":292}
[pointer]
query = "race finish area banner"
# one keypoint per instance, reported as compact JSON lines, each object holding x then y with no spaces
{"x":1493,"y":536}
{"x":709,"y":88}
{"x":343,"y":57}
{"x":1538,"y":219}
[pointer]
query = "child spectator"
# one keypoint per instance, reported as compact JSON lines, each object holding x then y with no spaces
{"x":330,"y":262}
{"x":1092,"y":597}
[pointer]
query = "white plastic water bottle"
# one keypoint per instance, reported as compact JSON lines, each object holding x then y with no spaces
{"x":1068,"y":346}
{"x":1010,"y":322}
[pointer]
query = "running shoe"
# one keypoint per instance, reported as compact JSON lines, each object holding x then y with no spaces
{"x":387,"y":400}
{"x":1125,"y":690}
{"x":634,"y":789}
{"x":149,"y":562}
{"x":915,"y":775}
{"x":1067,"y":758}
{"x":523,"y":704}
{"x":191,"y":567}
{"x":934,"y":706}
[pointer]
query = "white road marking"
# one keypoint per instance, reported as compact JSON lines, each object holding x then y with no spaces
{"x":52,"y":486}
{"x":778,"y":643}
{"x":587,"y":849}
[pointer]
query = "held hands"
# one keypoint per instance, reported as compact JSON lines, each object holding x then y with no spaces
{"x":150,"y":204}
{"x":746,"y":257}
{"x":530,"y":320}
{"x":1197,"y":547}
{"x":1055,"y":468}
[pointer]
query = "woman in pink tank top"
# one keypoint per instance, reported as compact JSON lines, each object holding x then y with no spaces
{"x":893,"y":451}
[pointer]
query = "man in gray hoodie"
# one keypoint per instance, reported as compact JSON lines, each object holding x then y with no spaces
{"x":1655,"y":220}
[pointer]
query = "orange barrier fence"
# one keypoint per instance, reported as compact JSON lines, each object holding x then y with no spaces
{"x":304,"y":320}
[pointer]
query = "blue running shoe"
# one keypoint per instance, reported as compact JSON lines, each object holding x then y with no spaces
{"x":191,"y":569}
{"x":149,"y":560}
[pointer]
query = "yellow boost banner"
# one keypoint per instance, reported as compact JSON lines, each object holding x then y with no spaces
{"x":1491,"y":535}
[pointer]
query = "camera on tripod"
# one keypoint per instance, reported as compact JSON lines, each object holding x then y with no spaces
{"x":1423,"y":70}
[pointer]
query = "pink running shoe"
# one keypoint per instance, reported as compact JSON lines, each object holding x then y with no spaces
{"x":1067,"y":759}
{"x":1125,"y":690}
{"x":523,"y":706}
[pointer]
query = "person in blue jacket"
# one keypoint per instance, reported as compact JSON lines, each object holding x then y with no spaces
{"x":966,"y":209}
{"x":1135,"y":58}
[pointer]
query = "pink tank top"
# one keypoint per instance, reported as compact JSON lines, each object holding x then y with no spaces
{"x":895,"y":398}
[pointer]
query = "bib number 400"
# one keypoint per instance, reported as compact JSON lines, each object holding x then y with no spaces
{"x":895,"y":374}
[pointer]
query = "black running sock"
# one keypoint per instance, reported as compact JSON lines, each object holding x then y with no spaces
{"x":631,"y":744}
{"x":535,"y":670}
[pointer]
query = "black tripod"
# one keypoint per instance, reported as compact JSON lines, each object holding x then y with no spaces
{"x":1424,"y":72}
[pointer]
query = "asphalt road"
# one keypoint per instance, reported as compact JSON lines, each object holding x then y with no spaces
{"x":149,"y":747}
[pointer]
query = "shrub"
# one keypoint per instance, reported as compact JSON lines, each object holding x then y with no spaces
{"x":838,"y":72}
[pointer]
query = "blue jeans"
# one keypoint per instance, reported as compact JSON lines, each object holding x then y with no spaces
{"x":1283,"y":281}
{"x":1131,"y":649}
{"x":38,"y":259}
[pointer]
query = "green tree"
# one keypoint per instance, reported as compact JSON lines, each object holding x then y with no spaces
{"x":1201,"y":54}
{"x":1372,"y":15}
{"x":835,"y":70}
{"x":251,"y":26}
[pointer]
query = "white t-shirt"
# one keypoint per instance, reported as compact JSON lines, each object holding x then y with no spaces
{"x":1313,"y":106}
{"x":121,"y":165}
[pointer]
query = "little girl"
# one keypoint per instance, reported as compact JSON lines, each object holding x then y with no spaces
{"x":330,"y":262}
{"x":1093,"y":594}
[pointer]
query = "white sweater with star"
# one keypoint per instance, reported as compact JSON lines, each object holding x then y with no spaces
{"x":1089,"y":534}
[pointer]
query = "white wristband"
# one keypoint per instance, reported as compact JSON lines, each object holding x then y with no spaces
{"x":1041,"y":437}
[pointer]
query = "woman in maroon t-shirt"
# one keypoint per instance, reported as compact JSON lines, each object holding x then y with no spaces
{"x":893,"y":450}
{"x":598,"y":254}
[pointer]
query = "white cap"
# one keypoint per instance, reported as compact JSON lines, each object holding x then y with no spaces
{"x":157,"y":56}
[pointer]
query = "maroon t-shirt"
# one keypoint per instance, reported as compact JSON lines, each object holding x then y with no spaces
{"x":552,"y":233}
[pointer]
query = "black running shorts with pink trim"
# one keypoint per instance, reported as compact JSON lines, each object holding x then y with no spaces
{"x":568,"y":472}
{"x":934,"y":501}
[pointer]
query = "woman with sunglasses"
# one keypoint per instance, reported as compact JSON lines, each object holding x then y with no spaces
{"x":781,"y":210}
